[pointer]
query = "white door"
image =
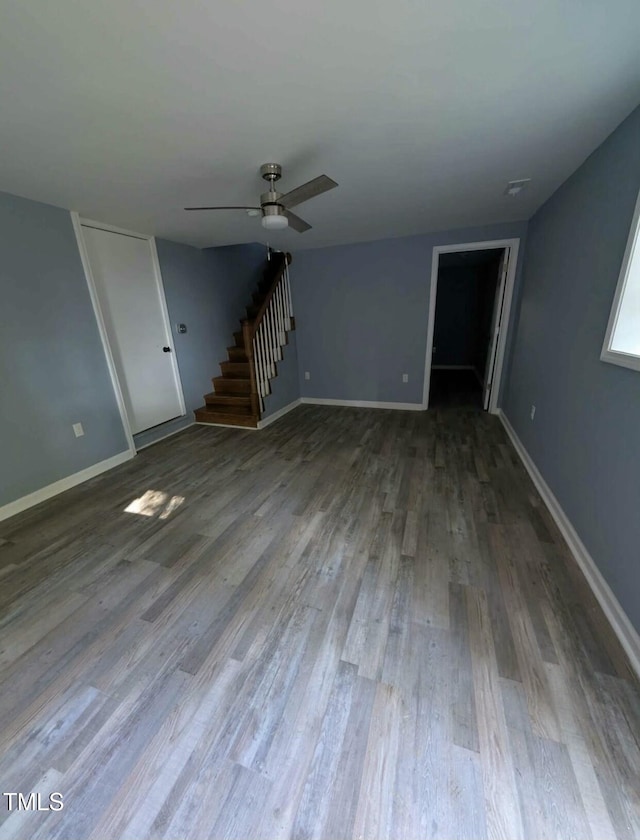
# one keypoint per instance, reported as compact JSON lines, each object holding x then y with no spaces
{"x":131,"y":298}
{"x":496,"y":321}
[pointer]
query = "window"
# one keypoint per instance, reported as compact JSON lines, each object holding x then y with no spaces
{"x":622,"y":341}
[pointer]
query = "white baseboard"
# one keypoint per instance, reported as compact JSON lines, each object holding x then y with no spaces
{"x":164,"y":437}
{"x":618,"y":619}
{"x":64,"y":484}
{"x":278,"y":414}
{"x":398,"y":406}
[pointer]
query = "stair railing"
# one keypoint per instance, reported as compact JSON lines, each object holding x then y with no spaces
{"x":266,"y":334}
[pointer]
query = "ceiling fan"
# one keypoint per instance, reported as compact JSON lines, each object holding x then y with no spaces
{"x":274,"y":206}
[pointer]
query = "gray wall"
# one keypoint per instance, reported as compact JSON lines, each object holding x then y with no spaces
{"x":362,"y":313}
{"x":52,"y":367}
{"x":585,"y":438}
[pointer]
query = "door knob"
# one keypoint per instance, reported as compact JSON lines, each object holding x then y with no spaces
{"x":166,"y":349}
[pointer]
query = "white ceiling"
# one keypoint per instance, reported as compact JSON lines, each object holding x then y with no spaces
{"x":129,"y":110}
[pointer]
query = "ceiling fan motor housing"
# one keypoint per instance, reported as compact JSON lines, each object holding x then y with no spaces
{"x":271,"y":172}
{"x":270,"y":202}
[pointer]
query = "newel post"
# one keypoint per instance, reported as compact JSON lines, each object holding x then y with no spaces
{"x":247,"y":335}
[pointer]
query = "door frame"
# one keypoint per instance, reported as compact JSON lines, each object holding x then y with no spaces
{"x":514,"y":245}
{"x":77,"y":222}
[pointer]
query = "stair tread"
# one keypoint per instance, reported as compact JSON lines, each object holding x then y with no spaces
{"x":205,"y":415}
{"x":229,"y":399}
{"x":228,"y":404}
{"x":230,"y":410}
{"x":231,"y":385}
{"x":235,"y":370}
{"x":237,"y":354}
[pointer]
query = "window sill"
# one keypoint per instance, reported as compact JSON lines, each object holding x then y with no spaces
{"x":626,"y":360}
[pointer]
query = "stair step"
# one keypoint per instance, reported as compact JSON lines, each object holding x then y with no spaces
{"x":238,"y":370}
{"x":239,"y":338}
{"x":206,"y":415}
{"x":223,"y":408}
{"x":232,"y":401}
{"x":237,"y":354}
{"x":231,"y":385}
{"x":252,"y":311}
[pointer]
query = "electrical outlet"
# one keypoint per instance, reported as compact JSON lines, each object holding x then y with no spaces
{"x":533,"y":411}
{"x":307,"y":375}
{"x":78,"y":431}
{"x":405,"y":377}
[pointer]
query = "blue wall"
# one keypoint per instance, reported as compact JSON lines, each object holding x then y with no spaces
{"x":52,"y":366}
{"x":362,"y":313}
{"x":585,"y":438}
{"x":236,"y":271}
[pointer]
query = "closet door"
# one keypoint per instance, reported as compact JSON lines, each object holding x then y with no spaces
{"x":133,"y":308}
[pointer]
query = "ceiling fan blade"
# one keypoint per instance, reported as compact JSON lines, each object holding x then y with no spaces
{"x":306,"y":191}
{"x":222,"y":208}
{"x":296,"y":222}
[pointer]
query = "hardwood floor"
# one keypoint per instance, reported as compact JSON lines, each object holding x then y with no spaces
{"x":353,"y":624}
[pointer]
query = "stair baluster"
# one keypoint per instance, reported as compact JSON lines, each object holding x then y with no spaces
{"x":247,"y":335}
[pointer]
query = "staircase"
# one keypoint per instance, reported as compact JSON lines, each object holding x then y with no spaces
{"x":238,"y":394}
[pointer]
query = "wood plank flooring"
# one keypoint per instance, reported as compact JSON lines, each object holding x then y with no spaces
{"x":354,"y":624}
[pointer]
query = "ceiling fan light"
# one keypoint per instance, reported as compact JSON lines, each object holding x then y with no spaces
{"x":275,"y":221}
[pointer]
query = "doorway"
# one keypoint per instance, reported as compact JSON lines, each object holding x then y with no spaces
{"x":470,"y":300}
{"x":126,"y":288}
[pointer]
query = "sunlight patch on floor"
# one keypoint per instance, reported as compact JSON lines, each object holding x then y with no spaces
{"x":155,"y":503}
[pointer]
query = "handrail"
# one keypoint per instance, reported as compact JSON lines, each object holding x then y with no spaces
{"x":278,"y":274}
